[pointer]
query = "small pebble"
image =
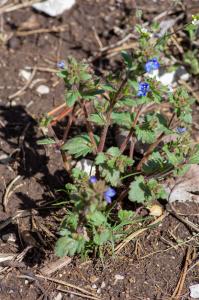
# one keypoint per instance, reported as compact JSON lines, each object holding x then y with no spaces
{"x":119,"y":277}
{"x":25,"y":75}
{"x":103,"y":285}
{"x":4,"y":159}
{"x":194,"y":291}
{"x":58,"y":297}
{"x":94,"y":286}
{"x":43,"y":89}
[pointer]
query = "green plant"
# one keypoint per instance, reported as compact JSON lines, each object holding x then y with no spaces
{"x":131,"y":101}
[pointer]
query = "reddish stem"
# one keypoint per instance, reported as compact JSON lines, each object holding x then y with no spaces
{"x":108,"y":119}
{"x":69,"y":124}
{"x":127,"y":139}
{"x":89,"y":128}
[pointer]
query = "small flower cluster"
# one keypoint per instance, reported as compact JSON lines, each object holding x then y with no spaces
{"x":195,"y":20}
{"x":61,"y":64}
{"x":181,"y":130}
{"x":143,"y":89}
{"x":108,"y":194}
{"x":151,"y":65}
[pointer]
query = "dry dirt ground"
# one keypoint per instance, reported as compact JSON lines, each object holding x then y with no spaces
{"x":150,"y":266}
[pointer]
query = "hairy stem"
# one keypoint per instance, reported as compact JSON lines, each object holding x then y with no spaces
{"x":128,"y":137}
{"x":89,"y":127}
{"x":108,"y":120}
{"x":69,"y":124}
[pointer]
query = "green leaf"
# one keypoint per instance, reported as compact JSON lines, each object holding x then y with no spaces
{"x":69,"y":246}
{"x":142,"y":190}
{"x":111,"y":176}
{"x":137,"y":190}
{"x":144,"y":134}
{"x":97,"y":218}
{"x":62,"y":74}
{"x":156,"y":163}
{"x":194,"y":159}
{"x":125,"y":215}
{"x":102,"y":237}
{"x":127,"y":59}
{"x":71,"y":97}
{"x":100,"y":159}
{"x":72,"y":220}
{"x":114,"y":151}
{"x":97,"y":119}
{"x":123,"y":119}
{"x":46,"y":141}
{"x":79,"y":146}
{"x":108,"y":87}
{"x":90,"y":94}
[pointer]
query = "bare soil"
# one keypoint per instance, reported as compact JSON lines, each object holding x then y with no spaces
{"x":149,"y":266}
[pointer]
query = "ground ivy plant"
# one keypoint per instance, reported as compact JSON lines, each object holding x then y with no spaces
{"x":130,"y":101}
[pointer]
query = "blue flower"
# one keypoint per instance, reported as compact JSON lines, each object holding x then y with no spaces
{"x":143,"y":89}
{"x":109,"y":194}
{"x":181,"y":130}
{"x":151,"y":65}
{"x":61,"y":64}
{"x":93,"y":179}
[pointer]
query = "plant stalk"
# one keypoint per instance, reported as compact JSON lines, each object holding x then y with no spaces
{"x":69,"y":124}
{"x":128,"y":137}
{"x":112,"y":104}
{"x":89,"y":127}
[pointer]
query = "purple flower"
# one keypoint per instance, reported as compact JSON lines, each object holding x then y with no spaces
{"x":143,"y":89}
{"x":151,"y":65}
{"x":93,"y":179}
{"x":61,"y":64}
{"x":109,"y":194}
{"x":181,"y":130}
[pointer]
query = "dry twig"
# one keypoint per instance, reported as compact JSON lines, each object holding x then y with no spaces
{"x":137,"y":233}
{"x":8,"y":189}
{"x":20,"y":92}
{"x":87,"y":293}
{"x":178,"y":290}
{"x":10,"y":7}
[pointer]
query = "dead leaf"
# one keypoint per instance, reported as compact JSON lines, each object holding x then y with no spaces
{"x":185,"y":188}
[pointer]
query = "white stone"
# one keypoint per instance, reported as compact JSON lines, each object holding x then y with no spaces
{"x":99,"y":291}
{"x":25,"y":75}
{"x":58,"y":297}
{"x":194,"y":291}
{"x":87,"y":166}
{"x":119,"y":277}
{"x":103,"y":285}
{"x":43,"y":89}
{"x":53,"y":8}
{"x":94,"y":286}
{"x":4,"y":158}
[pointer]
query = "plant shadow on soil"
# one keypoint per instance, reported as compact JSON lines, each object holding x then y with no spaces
{"x":30,"y":160}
